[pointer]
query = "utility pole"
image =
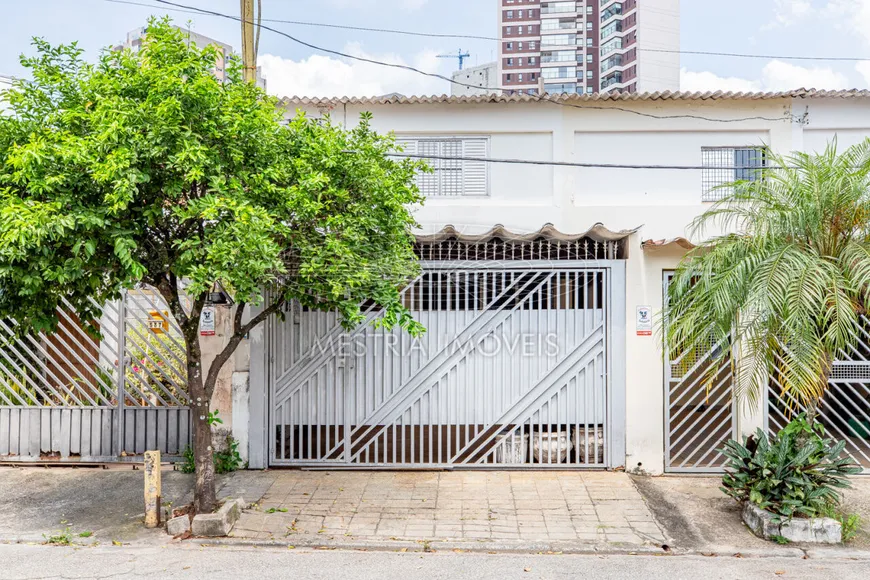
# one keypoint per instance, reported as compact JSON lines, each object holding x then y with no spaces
{"x":250,"y":39}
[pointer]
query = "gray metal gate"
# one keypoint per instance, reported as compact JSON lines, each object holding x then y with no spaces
{"x":699,"y":415}
{"x":512,"y":371}
{"x":71,"y":396}
{"x":845,"y":408}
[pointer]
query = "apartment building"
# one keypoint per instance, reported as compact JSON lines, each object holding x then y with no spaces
{"x":589,"y":46}
{"x":134,"y":41}
{"x":477,"y":80}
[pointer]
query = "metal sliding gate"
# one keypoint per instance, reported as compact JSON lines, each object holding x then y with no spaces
{"x":512,"y":371}
{"x":71,"y":396}
{"x":699,"y":413}
{"x":845,"y":408}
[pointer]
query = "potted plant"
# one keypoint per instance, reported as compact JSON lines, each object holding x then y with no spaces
{"x":789,"y":483}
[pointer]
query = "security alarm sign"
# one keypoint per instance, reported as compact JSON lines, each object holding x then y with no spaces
{"x":206,"y":321}
{"x":644,"y":321}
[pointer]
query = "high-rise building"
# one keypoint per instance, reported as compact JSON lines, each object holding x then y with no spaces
{"x":476,"y":80}
{"x":134,"y":41}
{"x":589,"y":46}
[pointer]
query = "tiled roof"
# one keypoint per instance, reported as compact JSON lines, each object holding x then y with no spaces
{"x":396,"y":99}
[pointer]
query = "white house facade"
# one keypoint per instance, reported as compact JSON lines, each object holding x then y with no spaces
{"x":549,"y":229}
{"x":606,"y":401}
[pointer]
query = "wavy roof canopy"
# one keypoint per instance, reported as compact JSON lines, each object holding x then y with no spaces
{"x":598,"y":232}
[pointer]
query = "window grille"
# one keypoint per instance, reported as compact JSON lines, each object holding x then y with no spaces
{"x":505,"y":249}
{"x":451,"y":177}
{"x":725,"y":165}
{"x":505,"y":290}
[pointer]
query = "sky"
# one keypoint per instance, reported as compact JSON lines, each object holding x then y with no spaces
{"x":834,"y":28}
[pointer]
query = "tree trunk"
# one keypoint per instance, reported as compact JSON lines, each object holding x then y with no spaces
{"x":204,"y":491}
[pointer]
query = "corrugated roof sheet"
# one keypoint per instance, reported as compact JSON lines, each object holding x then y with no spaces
{"x":597,"y":232}
{"x":395,"y":99}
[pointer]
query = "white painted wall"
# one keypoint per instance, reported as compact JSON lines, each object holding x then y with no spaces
{"x":661,"y":203}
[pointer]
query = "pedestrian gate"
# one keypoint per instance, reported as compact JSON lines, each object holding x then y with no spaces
{"x":73,"y":396}
{"x":699,"y":413}
{"x":513,"y":370}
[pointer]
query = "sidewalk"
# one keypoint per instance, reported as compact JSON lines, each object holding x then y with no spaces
{"x":530,"y":512}
{"x":508,"y":508}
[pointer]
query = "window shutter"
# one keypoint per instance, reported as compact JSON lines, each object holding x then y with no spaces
{"x":475,"y":173}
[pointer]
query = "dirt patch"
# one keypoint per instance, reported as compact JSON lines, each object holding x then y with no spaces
{"x":697,"y":515}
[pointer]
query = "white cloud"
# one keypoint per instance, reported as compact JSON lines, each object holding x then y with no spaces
{"x":863,"y":69}
{"x":788,"y":12}
{"x":775,"y":76}
{"x":706,"y":81}
{"x":852,"y":15}
{"x":781,"y":76}
{"x":324,"y":76}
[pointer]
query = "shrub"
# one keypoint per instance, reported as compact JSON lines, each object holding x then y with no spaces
{"x":224,"y":461}
{"x":795,"y":473}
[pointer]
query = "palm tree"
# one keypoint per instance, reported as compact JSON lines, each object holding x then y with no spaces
{"x":788,"y":287}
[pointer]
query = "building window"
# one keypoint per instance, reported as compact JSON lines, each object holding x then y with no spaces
{"x":588,"y":9}
{"x":531,"y":60}
{"x":507,"y":77}
{"x":451,"y":177}
{"x":588,"y":74}
{"x":520,"y":45}
{"x":589,"y":41}
{"x":589,"y":90}
{"x":509,"y":46}
{"x":520,"y":77}
{"x":588,"y":25}
{"x":510,"y":62}
{"x":725,"y":165}
{"x":532,"y":76}
{"x":508,"y":30}
{"x":530,"y":29}
{"x":510,"y":13}
{"x":589,"y":58}
{"x":520,"y":12}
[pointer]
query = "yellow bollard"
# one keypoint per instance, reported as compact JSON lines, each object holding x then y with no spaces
{"x":152,"y":489}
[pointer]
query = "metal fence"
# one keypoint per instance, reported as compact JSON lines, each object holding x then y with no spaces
{"x":844,"y":410}
{"x":100,"y":395}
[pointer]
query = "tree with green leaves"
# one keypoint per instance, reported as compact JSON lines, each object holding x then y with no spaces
{"x":789,"y":284}
{"x":145,"y":168}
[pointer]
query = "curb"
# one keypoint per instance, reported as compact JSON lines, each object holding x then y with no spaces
{"x":506,"y":547}
{"x":566,"y":548}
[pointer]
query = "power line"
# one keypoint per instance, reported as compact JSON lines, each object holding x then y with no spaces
{"x":544,"y":98}
{"x":511,"y":38}
{"x":511,"y":161}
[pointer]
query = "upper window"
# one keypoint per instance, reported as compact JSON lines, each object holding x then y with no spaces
{"x":724,"y":165}
{"x":451,"y":176}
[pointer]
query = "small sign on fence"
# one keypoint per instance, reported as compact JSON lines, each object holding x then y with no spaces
{"x":206,"y":324}
{"x":158,"y":322}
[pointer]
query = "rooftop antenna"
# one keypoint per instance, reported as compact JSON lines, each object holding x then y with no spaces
{"x":460,"y":55}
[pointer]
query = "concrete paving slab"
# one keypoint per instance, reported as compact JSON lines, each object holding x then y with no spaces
{"x":698,"y":516}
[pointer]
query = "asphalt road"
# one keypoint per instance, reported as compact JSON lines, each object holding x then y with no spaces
{"x":192,"y":561}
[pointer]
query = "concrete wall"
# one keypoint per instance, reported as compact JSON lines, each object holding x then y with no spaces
{"x":660,"y":204}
